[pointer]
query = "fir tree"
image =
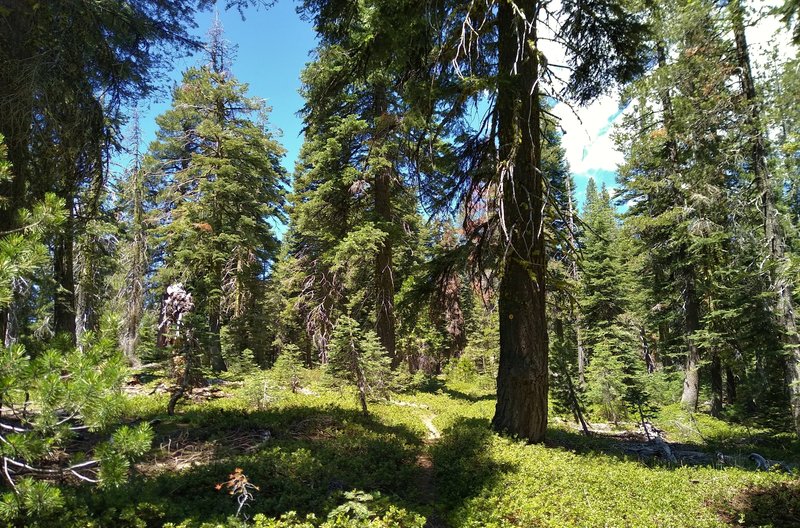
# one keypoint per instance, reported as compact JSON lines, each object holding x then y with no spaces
{"x":678,"y":176}
{"x":357,"y":358}
{"x":221,"y":188}
{"x":496,"y":167}
{"x":350,"y":188}
{"x":614,"y":378}
{"x":48,"y":397}
{"x":287,"y":371}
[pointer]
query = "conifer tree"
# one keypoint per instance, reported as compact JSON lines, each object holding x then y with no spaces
{"x":603,"y":43}
{"x":678,"y":175}
{"x":48,"y":397}
{"x":135,"y":258}
{"x":288,"y":368}
{"x":357,"y":358}
{"x":355,"y":221}
{"x":755,"y":138}
{"x":221,"y":182}
{"x":567,"y":347}
{"x":66,"y":71}
{"x":616,"y":364}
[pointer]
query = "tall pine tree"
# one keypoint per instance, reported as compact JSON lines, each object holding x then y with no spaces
{"x":221,"y":190}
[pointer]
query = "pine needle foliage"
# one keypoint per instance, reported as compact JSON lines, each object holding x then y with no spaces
{"x":221,"y":184}
{"x":356,"y":358}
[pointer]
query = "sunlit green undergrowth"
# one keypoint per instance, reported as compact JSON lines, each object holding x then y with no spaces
{"x":501,"y":482}
{"x":734,"y":439}
{"x":308,"y":451}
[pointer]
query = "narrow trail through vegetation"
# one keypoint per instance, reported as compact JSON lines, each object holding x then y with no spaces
{"x":427,"y":478}
{"x":433,"y":433}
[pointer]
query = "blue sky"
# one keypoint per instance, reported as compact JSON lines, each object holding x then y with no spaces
{"x":273,"y":47}
{"x":275,"y":44}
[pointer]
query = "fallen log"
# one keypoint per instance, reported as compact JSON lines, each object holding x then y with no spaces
{"x":665,"y":450}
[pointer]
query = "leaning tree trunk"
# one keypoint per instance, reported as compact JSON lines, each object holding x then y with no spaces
{"x":522,"y":380}
{"x":384,"y":279}
{"x":575,"y":275}
{"x":780,"y":280}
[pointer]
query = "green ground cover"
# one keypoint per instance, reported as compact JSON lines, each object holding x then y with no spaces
{"x":425,"y":458}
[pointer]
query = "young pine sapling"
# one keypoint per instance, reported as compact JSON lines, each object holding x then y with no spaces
{"x":357,"y":357}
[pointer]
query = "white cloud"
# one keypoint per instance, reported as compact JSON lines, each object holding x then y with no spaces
{"x":588,"y":144}
{"x":587,"y":141}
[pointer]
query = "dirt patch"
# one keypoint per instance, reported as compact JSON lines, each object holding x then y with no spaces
{"x":433,"y":433}
{"x":777,"y":506}
{"x":179,"y":451}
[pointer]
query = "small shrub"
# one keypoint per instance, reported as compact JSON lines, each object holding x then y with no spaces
{"x":463,"y":369}
{"x":259,"y":391}
{"x":288,"y":371}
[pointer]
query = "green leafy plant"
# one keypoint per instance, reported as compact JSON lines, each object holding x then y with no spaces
{"x":50,"y":400}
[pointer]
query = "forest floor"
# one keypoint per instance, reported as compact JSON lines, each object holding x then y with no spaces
{"x":431,"y":452}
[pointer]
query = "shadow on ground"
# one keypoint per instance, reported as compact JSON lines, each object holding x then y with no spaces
{"x":777,"y":506}
{"x":302,"y":459}
{"x":472,"y":398}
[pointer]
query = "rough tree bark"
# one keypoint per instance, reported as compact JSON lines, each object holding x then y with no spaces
{"x":522,"y":380}
{"x":64,"y":274}
{"x":446,"y":312}
{"x":780,"y":281}
{"x":384,"y":279}
{"x":691,"y":382}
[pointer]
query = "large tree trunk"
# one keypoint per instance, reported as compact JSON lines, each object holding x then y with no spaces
{"x":691,"y":382}
{"x":64,"y":275}
{"x":384,"y":278}
{"x":522,"y":380}
{"x":780,"y":280}
{"x":446,"y":313}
